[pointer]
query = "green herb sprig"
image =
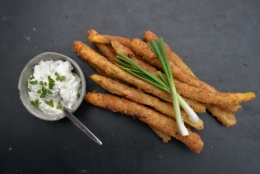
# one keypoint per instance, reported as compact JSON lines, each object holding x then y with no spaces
{"x":165,"y":82}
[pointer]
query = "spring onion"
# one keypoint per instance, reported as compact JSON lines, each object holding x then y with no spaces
{"x":51,"y":82}
{"x":43,"y":91}
{"x":78,"y":95}
{"x":31,"y":77}
{"x":50,"y":103}
{"x":59,"y":106}
{"x":36,"y":102}
{"x":59,"y":78}
{"x":33,"y":82}
{"x":165,"y":82}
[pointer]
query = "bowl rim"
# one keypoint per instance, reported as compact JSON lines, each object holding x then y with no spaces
{"x":28,"y":70}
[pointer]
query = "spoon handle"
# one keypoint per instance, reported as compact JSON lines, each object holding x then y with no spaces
{"x":81,"y":126}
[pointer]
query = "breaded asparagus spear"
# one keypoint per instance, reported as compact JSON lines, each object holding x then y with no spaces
{"x":148,"y":36}
{"x":165,"y":138}
{"x":105,"y":49}
{"x":138,"y":96}
{"x":149,"y":116}
{"x":106,"y":39}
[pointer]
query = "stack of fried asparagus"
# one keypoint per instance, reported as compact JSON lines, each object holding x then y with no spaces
{"x":132,"y":96}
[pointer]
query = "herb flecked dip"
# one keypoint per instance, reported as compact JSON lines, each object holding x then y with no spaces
{"x":51,"y":84}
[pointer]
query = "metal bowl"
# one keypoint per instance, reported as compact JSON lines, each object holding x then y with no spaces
{"x":28,"y":70}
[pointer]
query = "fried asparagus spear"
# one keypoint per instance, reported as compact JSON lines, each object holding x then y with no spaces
{"x":148,"y":36}
{"x":165,"y":138}
{"x":95,"y":59}
{"x":105,"y":49}
{"x":208,"y":97}
{"x":225,"y":117}
{"x":138,"y":96}
{"x":95,"y":37}
{"x":147,"y":115}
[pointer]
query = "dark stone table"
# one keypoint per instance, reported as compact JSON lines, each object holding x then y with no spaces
{"x":219,"y":40}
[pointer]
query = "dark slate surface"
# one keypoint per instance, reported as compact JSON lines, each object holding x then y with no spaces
{"x":219,"y":40}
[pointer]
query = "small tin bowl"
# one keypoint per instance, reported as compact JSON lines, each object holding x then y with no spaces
{"x":28,"y":70}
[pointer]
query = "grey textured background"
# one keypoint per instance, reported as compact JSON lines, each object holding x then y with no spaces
{"x":219,"y":40}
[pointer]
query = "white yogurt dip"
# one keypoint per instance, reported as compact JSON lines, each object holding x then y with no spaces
{"x":53,"y":83}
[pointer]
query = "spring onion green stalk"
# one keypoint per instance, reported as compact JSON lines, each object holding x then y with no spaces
{"x":51,"y":82}
{"x":36,"y":102}
{"x":165,"y":82}
{"x":59,"y":78}
{"x":157,"y":46}
{"x":59,"y":106}
{"x":50,"y":103}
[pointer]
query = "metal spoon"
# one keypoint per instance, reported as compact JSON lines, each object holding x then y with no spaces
{"x":80,"y":125}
